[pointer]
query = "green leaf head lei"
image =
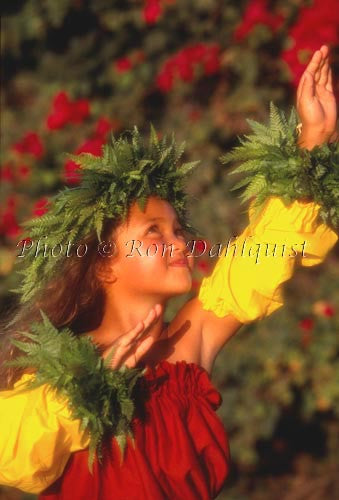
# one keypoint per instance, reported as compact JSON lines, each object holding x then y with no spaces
{"x":127,"y":171}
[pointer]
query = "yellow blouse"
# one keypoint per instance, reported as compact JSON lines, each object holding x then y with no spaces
{"x":247,"y":278}
{"x":37,"y":432}
{"x":37,"y":437}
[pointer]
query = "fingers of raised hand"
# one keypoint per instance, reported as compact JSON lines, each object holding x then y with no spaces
{"x":315,"y":62}
{"x":300,"y":87}
{"x":134,"y":341}
{"x":307,"y":82}
{"x":321,"y":71}
{"x":141,"y":327}
{"x":329,"y":84}
{"x":152,"y":316}
{"x":132,"y":335}
{"x":142,"y":348}
{"x":317,"y":77}
{"x":321,"y":80}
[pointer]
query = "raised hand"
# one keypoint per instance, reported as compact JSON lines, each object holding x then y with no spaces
{"x":316,"y":104}
{"x":129,"y":348}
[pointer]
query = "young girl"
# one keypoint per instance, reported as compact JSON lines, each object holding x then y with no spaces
{"x":180,"y":448}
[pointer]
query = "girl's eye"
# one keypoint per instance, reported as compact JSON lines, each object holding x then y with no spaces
{"x":153,"y":229}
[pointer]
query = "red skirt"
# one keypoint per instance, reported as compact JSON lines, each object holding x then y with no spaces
{"x":181,"y":447}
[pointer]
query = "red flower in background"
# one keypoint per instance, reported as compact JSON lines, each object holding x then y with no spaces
{"x":80,"y":110}
{"x":183,"y":63}
{"x":329,"y":311}
{"x":152,"y":11}
{"x":6,"y":173}
{"x":93,"y":145}
{"x":30,"y":144}
{"x":165,"y":78}
{"x":104,"y":125}
{"x":11,"y":173}
{"x":61,"y":112}
{"x":203,"y":266}
{"x":211,"y":61}
{"x":306,"y":324}
{"x":184,"y":66}
{"x":40,"y":207}
{"x":26,"y":240}
{"x":65,"y":111}
{"x":126,"y":63}
{"x":324,"y":309}
{"x":257,"y":12}
{"x":72,"y":169}
{"x":202,"y":246}
{"x":316,"y":25}
{"x":123,"y":65}
{"x":24,"y":171}
{"x":8,"y":222}
{"x":71,"y":173}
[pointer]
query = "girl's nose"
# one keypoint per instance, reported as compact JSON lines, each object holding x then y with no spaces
{"x":179,"y":243}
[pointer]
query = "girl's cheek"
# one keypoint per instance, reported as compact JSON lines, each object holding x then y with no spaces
{"x":154,"y":247}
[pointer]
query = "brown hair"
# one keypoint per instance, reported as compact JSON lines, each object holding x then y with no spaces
{"x":75,"y":298}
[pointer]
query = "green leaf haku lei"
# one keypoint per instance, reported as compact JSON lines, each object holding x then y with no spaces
{"x":127,"y":171}
{"x":100,"y":397}
{"x":275,"y":165}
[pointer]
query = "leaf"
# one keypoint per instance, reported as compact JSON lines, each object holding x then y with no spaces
{"x":276,"y":122}
{"x":121,"y":440}
{"x":109,"y":357}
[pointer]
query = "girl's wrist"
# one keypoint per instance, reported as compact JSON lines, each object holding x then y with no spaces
{"x":309,"y":142}
{"x":311,"y":137}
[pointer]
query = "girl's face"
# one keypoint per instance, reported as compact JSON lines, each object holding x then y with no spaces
{"x":146,"y":262}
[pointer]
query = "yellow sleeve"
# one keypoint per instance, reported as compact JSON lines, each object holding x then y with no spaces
{"x":37,"y":437}
{"x":248,"y":276}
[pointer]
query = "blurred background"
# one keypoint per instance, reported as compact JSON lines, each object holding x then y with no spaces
{"x":73,"y":71}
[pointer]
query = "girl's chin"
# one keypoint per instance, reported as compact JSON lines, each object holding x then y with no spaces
{"x":184,"y":287}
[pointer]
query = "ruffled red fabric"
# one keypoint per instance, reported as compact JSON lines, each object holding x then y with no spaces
{"x":181,"y":447}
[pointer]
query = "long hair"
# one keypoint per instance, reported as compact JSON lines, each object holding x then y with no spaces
{"x":75,"y":298}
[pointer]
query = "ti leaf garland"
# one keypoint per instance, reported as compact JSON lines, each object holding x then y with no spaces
{"x":127,"y":171}
{"x":275,"y":165}
{"x":100,"y":397}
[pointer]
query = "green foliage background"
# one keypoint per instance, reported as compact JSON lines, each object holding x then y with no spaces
{"x":279,"y":382}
